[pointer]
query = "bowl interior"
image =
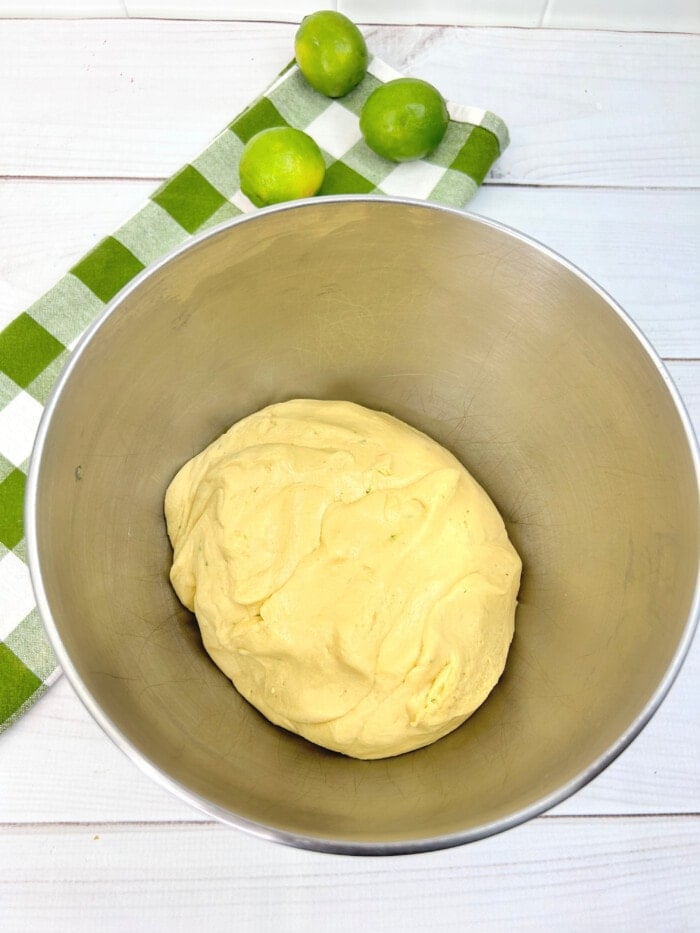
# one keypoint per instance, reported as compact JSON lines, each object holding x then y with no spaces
{"x":478,"y":337}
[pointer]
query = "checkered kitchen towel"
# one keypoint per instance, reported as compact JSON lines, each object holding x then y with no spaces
{"x":36,"y":344}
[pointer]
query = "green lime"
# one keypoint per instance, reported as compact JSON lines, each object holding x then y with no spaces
{"x":331,"y":52}
{"x":280,"y":164}
{"x":404,"y":119}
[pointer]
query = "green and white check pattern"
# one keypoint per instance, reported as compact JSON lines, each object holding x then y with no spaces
{"x":36,"y":344}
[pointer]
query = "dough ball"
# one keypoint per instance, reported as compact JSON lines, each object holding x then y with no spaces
{"x":348,"y":574}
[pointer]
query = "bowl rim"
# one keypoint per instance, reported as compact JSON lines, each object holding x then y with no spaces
{"x":199,"y":802}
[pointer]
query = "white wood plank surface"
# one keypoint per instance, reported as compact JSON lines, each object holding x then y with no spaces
{"x":124,"y":98}
{"x":93,"y":115}
{"x":551,"y":875}
{"x":633,"y":15}
{"x":605,"y":110}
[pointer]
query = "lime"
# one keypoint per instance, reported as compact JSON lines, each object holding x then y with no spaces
{"x":331,"y":52}
{"x":280,"y":164}
{"x":404,"y":119}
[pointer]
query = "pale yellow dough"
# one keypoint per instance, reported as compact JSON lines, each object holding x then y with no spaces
{"x":348,"y":574}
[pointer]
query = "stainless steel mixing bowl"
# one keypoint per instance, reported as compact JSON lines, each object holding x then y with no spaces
{"x":491,"y":344}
